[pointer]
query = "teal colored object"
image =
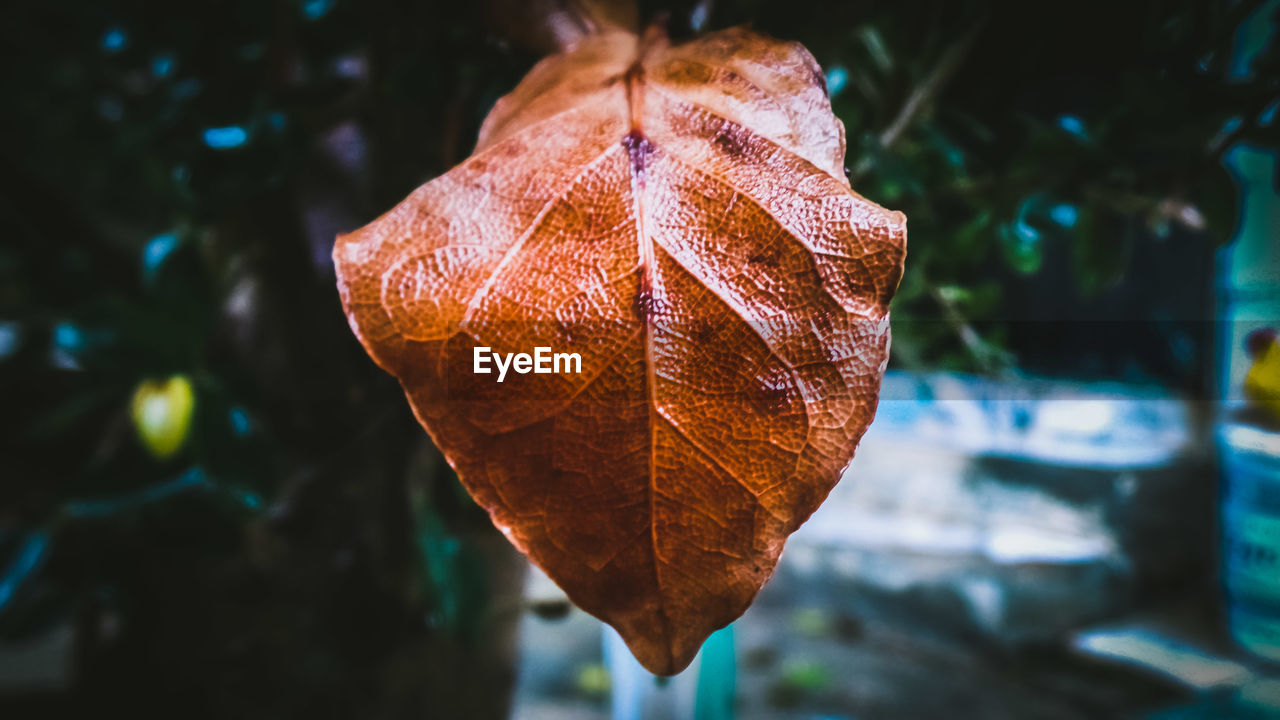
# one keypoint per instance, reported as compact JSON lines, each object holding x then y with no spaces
{"x":704,"y":691}
{"x":29,"y":558}
{"x":1251,"y":536}
{"x":717,"y":677}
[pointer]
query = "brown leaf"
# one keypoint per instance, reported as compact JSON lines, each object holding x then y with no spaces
{"x":678,"y":216}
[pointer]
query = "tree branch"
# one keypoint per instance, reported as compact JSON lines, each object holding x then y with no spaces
{"x":924,"y":94}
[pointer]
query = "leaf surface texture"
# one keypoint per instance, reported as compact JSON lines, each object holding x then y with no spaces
{"x":678,"y":216}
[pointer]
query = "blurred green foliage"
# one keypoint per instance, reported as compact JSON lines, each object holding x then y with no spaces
{"x":1015,"y":132}
{"x":176,"y":174}
{"x":797,"y":680}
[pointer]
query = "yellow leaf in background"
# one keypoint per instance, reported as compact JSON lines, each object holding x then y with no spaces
{"x":1262,"y":384}
{"x":162,"y":413}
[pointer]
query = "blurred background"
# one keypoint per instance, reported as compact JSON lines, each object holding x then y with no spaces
{"x":212,"y":504}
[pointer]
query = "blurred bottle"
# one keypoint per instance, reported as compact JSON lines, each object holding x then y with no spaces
{"x":1249,"y":447}
{"x":1249,"y":292}
{"x":1251,"y":536}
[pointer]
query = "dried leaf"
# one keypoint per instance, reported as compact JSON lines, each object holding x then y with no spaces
{"x":677,"y":215}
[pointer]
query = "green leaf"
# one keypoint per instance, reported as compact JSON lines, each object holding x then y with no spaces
{"x":1099,"y":254}
{"x":1023,"y":250}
